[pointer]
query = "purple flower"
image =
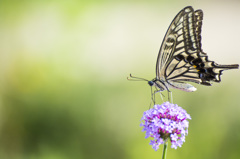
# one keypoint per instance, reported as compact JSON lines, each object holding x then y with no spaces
{"x":166,"y":121}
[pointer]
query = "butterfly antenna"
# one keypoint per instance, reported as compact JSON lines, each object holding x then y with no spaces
{"x":133,"y":78}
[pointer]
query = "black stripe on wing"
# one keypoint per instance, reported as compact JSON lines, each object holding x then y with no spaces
{"x":198,"y":28}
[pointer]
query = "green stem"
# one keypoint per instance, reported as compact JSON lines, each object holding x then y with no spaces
{"x":164,"y":155}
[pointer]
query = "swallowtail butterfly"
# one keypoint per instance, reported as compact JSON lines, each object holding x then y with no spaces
{"x":181,"y":58}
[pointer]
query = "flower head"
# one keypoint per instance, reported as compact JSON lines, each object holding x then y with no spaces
{"x":166,"y":121}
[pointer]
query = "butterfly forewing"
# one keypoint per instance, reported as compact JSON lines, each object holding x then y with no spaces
{"x":178,"y":39}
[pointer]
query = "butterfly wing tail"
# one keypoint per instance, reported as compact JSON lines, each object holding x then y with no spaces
{"x":227,"y":67}
{"x":218,"y":69}
{"x":214,"y":72}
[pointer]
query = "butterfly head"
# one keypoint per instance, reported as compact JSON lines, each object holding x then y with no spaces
{"x":151,"y":83}
{"x":159,"y":84}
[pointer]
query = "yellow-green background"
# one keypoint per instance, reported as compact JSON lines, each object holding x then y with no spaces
{"x":63,"y":87}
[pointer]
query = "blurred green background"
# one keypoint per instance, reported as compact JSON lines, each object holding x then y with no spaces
{"x":63,"y":87}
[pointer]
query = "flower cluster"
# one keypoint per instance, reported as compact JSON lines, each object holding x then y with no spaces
{"x":166,"y":121}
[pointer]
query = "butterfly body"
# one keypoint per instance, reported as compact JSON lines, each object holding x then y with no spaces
{"x":181,"y":58}
{"x":163,"y":85}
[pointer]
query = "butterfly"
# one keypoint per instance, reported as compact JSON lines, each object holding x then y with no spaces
{"x":181,"y":58}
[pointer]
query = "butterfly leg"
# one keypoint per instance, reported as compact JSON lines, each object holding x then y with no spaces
{"x":152,"y":98}
{"x":170,"y":98}
{"x":161,"y":95}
